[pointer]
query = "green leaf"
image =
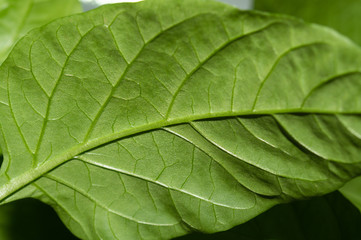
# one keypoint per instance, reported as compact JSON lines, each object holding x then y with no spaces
{"x":342,"y":15}
{"x":298,"y":221}
{"x":154,"y":119}
{"x":17,"y":17}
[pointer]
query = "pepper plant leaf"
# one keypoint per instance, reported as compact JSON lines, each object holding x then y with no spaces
{"x":153,"y":119}
{"x":17,"y":17}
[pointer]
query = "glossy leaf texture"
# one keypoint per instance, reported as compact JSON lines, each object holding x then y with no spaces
{"x":153,"y":119}
{"x":17,"y":17}
{"x":342,"y":15}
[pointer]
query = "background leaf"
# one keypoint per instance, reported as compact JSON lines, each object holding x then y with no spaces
{"x":342,"y":15}
{"x":164,"y":128}
{"x":17,"y":17}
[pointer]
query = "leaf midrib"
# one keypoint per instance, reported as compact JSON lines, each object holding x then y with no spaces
{"x":17,"y":183}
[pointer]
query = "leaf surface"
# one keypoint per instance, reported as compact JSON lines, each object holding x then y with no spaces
{"x":154,"y":119}
{"x":17,"y":17}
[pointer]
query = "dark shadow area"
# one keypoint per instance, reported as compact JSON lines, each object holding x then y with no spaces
{"x":30,"y":219}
